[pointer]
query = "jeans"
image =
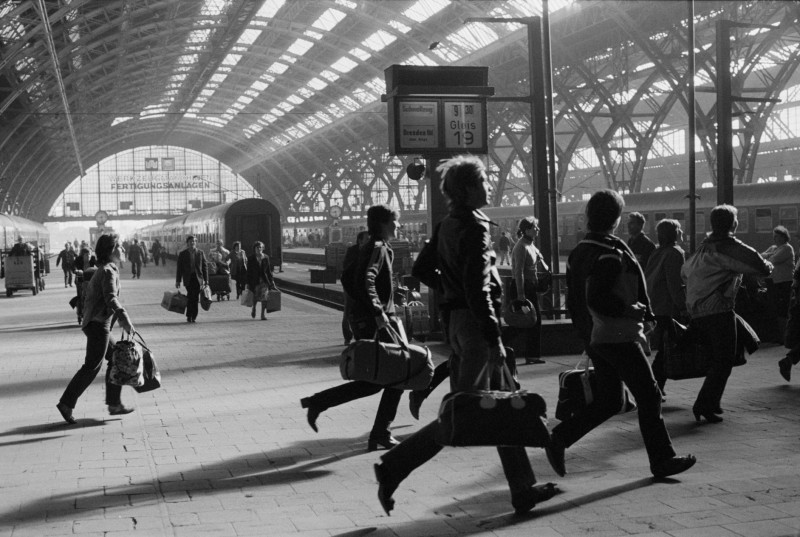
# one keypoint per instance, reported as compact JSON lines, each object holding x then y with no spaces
{"x":615,"y":363}
{"x":720,"y":330}
{"x":136,"y":267}
{"x":350,"y":391}
{"x":67,"y":277}
{"x":470,"y":353}
{"x":192,"y":297}
{"x":99,"y":345}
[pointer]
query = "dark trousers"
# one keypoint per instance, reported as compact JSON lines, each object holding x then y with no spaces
{"x":192,"y":297}
{"x":663,"y":323}
{"x":350,"y":391}
{"x":136,"y":268}
{"x":155,"y":258}
{"x":615,"y":363}
{"x":470,"y":352}
{"x":99,"y":345}
{"x":67,"y":277}
{"x":720,"y":330}
{"x":347,"y":332}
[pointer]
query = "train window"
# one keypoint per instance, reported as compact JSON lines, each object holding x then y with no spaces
{"x":569,"y":226}
{"x":660,"y":217}
{"x":764,"y":220}
{"x":744,"y":221}
{"x":788,"y":218}
{"x":680,"y":217}
{"x":699,"y":222}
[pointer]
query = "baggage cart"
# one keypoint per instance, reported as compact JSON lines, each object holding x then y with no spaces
{"x":20,"y":274}
{"x":221,"y":286}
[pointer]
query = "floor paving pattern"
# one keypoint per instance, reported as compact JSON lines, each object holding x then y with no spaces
{"x":223,"y":449}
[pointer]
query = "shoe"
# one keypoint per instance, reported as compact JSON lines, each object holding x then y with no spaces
{"x":263,"y":317}
{"x":120,"y":409}
{"x":313,"y":412}
{"x":66,"y":413}
{"x":386,"y":488}
{"x":387,"y":442}
{"x":785,"y":368}
{"x":415,"y":399}
{"x":253,"y":314}
{"x":709,"y":416}
{"x":555,"y":456}
{"x":527,"y":500}
{"x":672,"y":466}
{"x":718,"y":410}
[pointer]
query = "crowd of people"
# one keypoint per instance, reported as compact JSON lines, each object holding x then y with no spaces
{"x":623,"y":298}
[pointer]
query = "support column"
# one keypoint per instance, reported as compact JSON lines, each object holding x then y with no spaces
{"x":724,"y":113}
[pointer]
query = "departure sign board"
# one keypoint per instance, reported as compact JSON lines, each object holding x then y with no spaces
{"x":464,"y":125}
{"x":418,"y":124}
{"x":438,"y":124}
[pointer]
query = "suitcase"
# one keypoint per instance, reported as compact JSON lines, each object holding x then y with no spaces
{"x":174,"y":301}
{"x":220,"y":285}
{"x":576,"y":388}
{"x":493,"y":418}
{"x":417,"y":320}
{"x":399,"y":364}
{"x":273,"y":300}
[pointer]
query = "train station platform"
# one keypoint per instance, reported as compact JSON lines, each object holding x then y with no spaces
{"x":223,"y":448}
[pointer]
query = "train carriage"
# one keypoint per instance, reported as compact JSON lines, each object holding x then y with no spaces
{"x":246,"y":220}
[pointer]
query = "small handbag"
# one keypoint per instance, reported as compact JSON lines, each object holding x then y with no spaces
{"x":127,"y":368}
{"x":273,"y":300}
{"x":576,"y":389}
{"x":174,"y":301}
{"x":205,"y":298}
{"x":504,"y":417}
{"x":519,"y":313}
{"x":152,"y":375}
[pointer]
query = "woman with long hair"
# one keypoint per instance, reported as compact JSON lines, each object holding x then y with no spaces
{"x":101,"y":306}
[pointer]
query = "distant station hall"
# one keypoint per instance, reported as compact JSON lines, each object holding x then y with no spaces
{"x":236,"y":234}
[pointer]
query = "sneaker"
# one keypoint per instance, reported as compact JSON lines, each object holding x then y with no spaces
{"x":118,"y":410}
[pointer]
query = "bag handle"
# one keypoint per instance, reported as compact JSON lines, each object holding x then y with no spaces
{"x":137,"y":335}
{"x":506,"y":378}
{"x":396,"y":337}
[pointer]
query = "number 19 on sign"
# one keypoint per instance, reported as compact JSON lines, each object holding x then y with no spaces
{"x":464,"y":124}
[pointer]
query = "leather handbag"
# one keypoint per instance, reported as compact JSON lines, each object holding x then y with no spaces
{"x":127,"y":368}
{"x":519,"y":313}
{"x":152,"y":375}
{"x":504,"y":417}
{"x":205,"y":298}
{"x":398,"y":364}
{"x":576,"y":389}
{"x":273,"y":300}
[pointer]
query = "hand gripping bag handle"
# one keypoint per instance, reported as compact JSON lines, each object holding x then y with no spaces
{"x":506,"y":378}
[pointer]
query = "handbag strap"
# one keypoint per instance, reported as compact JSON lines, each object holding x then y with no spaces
{"x":396,"y":337}
{"x":506,"y":378}
{"x":137,"y":335}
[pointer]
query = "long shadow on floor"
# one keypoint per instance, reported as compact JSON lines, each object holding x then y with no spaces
{"x":250,"y":470}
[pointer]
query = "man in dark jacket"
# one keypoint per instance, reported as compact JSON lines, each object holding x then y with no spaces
{"x":67,"y":259}
{"x":350,"y":257}
{"x":640,"y":244}
{"x":193,"y":272}
{"x":471,"y":294}
{"x":608,"y":303}
{"x":136,"y":257}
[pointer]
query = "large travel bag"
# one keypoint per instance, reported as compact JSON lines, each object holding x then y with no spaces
{"x":174,"y":301}
{"x":398,"y":364}
{"x":576,"y":389}
{"x":505,"y":417}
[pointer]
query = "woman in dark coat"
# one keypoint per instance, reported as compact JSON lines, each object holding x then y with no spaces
{"x":259,"y":271}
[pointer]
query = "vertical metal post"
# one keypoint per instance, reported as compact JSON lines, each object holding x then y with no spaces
{"x":552,"y":183}
{"x":539,"y":136}
{"x":724,"y":112}
{"x":691,"y":134}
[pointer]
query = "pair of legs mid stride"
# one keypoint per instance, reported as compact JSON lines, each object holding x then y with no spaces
{"x":380,"y":436}
{"x":470,"y":353}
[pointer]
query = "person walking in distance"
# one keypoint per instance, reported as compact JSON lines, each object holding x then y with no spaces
{"x":640,"y":244}
{"x":471,"y":292}
{"x":504,"y":247}
{"x":526,"y":260}
{"x":101,"y":306}
{"x":608,"y":303}
{"x":713,"y":275}
{"x":259,"y":273}
{"x":237,"y":261}
{"x":67,"y":259}
{"x":136,"y":258}
{"x":372,"y":310}
{"x":193,"y":272}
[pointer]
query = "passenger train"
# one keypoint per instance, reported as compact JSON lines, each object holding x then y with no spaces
{"x":12,"y":227}
{"x":761,"y":208}
{"x":246,"y":220}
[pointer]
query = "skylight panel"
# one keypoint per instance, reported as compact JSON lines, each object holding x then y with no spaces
{"x":212,"y":8}
{"x":379,"y":40}
{"x":231,"y":59}
{"x":255,"y":127}
{"x":328,"y":20}
{"x":121,"y":119}
{"x":177,"y":78}
{"x":271,"y":118}
{"x":349,"y":103}
{"x":188,"y":59}
{"x":217,"y":77}
{"x":207,"y":92}
{"x":335,"y":110}
{"x":360,"y":53}
{"x":305,"y":93}
{"x":270,"y":8}
{"x":400,"y":27}
{"x":277,"y":112}
{"x":267,"y":78}
{"x":329,"y":75}
{"x":447,"y":53}
{"x":473,"y":36}
{"x":365,"y":96}
{"x":300,"y":47}
{"x":313,"y":123}
{"x":277,"y":68}
{"x":347,"y":4}
{"x":419,"y":59}
{"x":313,"y":35}
{"x":325,"y":118}
{"x":249,"y":36}
{"x":259,"y":86}
{"x":317,"y":84}
{"x":344,"y":64}
{"x":244,"y":99}
{"x":198,"y":36}
{"x":377,"y":84}
{"x":286,"y":107}
{"x":303,"y":128}
{"x":288,"y":59}
{"x":425,"y":9}
{"x":295,"y":100}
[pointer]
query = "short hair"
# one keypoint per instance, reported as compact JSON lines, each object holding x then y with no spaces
{"x":377,"y":216}
{"x":237,"y":243}
{"x":525,"y":224}
{"x":361,"y":236}
{"x":667,"y":231}
{"x":783,"y":232}
{"x":723,"y":218}
{"x":603,"y":209}
{"x":639,"y":217}
{"x":104,"y":247}
{"x":66,"y":245}
{"x":189,"y":238}
{"x":135,"y":241}
{"x":257,"y":243}
{"x":458,"y":174}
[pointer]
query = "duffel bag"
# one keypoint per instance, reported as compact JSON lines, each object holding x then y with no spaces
{"x":398,"y":364}
{"x":683,"y":357}
{"x":174,"y":301}
{"x":127,"y":368}
{"x":504,"y":417}
{"x":576,"y":389}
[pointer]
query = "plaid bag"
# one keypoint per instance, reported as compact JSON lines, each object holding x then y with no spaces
{"x":127,"y":368}
{"x":152,"y":375}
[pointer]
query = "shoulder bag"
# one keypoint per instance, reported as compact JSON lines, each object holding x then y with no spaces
{"x":127,"y":368}
{"x":576,"y":388}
